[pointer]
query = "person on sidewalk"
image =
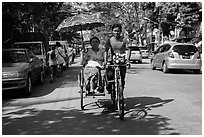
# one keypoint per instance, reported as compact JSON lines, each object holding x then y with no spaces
{"x":52,"y":61}
{"x":60,"y":56}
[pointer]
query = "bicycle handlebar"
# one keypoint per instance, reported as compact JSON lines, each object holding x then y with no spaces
{"x":115,"y":65}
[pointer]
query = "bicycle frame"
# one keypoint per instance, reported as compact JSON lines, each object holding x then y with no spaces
{"x":117,"y":90}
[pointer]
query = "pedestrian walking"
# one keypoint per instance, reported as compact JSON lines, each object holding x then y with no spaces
{"x":60,"y":57}
{"x":52,"y":61}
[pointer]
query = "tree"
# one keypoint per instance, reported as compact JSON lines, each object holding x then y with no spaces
{"x":30,"y":16}
{"x":180,"y":14}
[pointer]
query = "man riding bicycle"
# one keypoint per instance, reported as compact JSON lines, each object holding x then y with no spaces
{"x":116,"y":44}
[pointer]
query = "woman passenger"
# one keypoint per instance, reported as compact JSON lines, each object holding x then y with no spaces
{"x":93,"y":60}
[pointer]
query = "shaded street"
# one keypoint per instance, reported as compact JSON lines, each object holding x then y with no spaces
{"x":172,"y":102}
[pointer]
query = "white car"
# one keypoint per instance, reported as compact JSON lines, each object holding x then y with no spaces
{"x":135,"y":54}
{"x":174,"y":55}
{"x":145,"y":52}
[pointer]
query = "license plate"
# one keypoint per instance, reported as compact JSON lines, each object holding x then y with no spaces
{"x":186,"y":57}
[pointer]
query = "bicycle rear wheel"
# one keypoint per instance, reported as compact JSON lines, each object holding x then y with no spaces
{"x":120,"y":99}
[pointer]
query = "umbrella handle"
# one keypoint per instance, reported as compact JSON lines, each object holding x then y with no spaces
{"x":82,"y":38}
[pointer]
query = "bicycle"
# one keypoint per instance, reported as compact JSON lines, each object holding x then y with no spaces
{"x":51,"y":74}
{"x":117,"y":96}
{"x":59,"y":70}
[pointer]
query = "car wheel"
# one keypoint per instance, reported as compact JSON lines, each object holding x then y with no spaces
{"x":28,"y":87}
{"x":152,"y":66}
{"x":41,"y":78}
{"x":165,"y":68}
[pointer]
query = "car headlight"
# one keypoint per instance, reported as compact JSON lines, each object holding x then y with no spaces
{"x":13,"y":75}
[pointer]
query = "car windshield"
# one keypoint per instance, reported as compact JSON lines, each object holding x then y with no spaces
{"x":34,"y":47}
{"x":185,"y":49}
{"x":13,"y":56}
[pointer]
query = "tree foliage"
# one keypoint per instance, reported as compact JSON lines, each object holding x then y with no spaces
{"x":30,"y":16}
{"x":46,"y":16}
{"x":180,"y":14}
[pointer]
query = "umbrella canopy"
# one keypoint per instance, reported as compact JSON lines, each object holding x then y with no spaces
{"x":80,"y":22}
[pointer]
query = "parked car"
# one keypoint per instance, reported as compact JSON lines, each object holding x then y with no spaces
{"x":20,"y":69}
{"x":135,"y":54}
{"x":174,"y":55}
{"x":38,"y":48}
{"x":145,"y":52}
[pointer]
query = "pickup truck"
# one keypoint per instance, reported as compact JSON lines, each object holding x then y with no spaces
{"x":38,"y":48}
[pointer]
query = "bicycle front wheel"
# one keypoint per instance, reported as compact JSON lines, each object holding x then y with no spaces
{"x":120,"y":99}
{"x":51,"y":75}
{"x":113,"y":95}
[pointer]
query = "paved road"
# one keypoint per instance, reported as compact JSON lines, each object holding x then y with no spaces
{"x":173,"y":103}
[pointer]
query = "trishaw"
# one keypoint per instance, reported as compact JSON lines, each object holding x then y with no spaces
{"x":117,"y":97}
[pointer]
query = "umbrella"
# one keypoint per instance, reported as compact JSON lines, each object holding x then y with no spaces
{"x":80,"y":22}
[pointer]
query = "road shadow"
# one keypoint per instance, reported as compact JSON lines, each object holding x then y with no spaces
{"x":135,"y":107}
{"x":76,"y":122}
{"x":143,"y":102}
{"x":138,"y":107}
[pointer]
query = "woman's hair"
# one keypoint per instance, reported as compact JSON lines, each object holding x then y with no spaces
{"x":94,"y":38}
{"x":117,"y":25}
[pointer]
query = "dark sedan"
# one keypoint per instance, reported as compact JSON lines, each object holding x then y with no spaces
{"x":20,"y":69}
